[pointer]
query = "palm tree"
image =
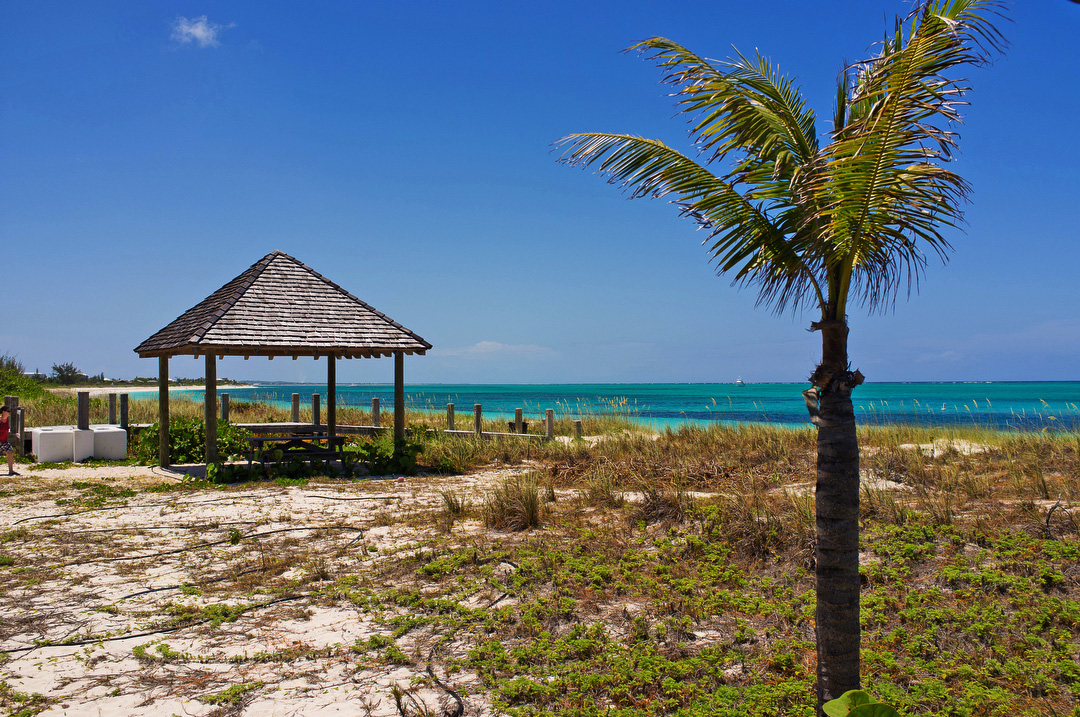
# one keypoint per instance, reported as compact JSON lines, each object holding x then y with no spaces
{"x":819,"y":226}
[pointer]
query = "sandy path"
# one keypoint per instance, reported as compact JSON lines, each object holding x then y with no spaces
{"x":160,"y":602}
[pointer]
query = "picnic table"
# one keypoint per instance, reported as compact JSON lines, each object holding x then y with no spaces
{"x":305,"y":447}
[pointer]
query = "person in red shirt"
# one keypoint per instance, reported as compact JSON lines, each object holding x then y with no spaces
{"x":5,"y":447}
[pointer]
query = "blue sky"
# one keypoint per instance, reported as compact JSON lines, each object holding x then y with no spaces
{"x":151,"y":151}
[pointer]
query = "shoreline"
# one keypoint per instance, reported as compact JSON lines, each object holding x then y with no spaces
{"x":96,"y":391}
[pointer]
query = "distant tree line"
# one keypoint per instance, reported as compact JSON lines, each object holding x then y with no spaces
{"x":68,"y":374}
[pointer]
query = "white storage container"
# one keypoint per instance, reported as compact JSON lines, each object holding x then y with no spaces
{"x":110,"y":442}
{"x":82,"y":444}
{"x":52,"y":444}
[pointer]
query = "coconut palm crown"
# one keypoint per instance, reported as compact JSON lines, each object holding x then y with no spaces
{"x":812,"y":225}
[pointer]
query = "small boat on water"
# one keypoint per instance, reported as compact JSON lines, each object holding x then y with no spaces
{"x":739,"y":381}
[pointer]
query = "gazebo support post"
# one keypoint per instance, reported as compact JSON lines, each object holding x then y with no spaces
{"x":399,"y":397}
{"x":331,"y":394}
{"x":211,"y":407}
{"x":163,"y":411}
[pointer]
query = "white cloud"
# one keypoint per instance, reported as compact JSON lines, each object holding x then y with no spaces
{"x":493,"y":350}
{"x":198,"y":30}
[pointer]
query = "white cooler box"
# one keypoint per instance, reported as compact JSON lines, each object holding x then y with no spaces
{"x":61,"y":443}
{"x":110,"y":442}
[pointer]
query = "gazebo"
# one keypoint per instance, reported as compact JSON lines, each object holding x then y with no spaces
{"x":279,"y":307}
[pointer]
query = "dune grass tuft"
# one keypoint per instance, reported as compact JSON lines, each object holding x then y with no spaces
{"x":514,"y":504}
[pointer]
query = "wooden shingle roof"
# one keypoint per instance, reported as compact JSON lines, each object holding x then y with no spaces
{"x":282,"y":307}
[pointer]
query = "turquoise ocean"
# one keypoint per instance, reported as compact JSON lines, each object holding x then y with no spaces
{"x":993,"y":405}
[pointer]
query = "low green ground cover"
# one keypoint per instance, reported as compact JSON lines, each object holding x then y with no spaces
{"x":609,"y":608}
{"x":678,"y":619}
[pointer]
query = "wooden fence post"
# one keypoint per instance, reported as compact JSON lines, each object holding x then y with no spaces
{"x":296,"y":408}
{"x":124,"y":411}
{"x":549,"y":423}
{"x":478,"y":421}
{"x":577,"y":430}
{"x":225,"y":407}
{"x":315,"y":409}
{"x":517,"y":421}
{"x":449,"y":416}
{"x":112,"y":409}
{"x":375,"y":417}
{"x":84,"y":410}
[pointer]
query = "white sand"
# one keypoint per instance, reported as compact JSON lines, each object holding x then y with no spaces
{"x":87,"y":588}
{"x":944,"y":446}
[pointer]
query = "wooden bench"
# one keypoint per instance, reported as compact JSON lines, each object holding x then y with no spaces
{"x":303,"y":447}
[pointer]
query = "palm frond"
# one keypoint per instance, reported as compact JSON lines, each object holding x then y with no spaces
{"x":856,"y":219}
{"x":889,"y":194}
{"x":738,"y":105}
{"x":744,"y":238}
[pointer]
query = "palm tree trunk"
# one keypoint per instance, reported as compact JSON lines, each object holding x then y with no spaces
{"x":837,"y":572}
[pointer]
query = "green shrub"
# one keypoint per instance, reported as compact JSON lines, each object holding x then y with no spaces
{"x":856,"y":703}
{"x":187,"y":441}
{"x":383,"y":457}
{"x":13,"y":383}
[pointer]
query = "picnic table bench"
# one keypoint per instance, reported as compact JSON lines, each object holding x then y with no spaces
{"x":304,"y":447}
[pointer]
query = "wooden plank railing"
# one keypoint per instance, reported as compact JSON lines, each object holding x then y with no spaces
{"x":299,"y":428}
